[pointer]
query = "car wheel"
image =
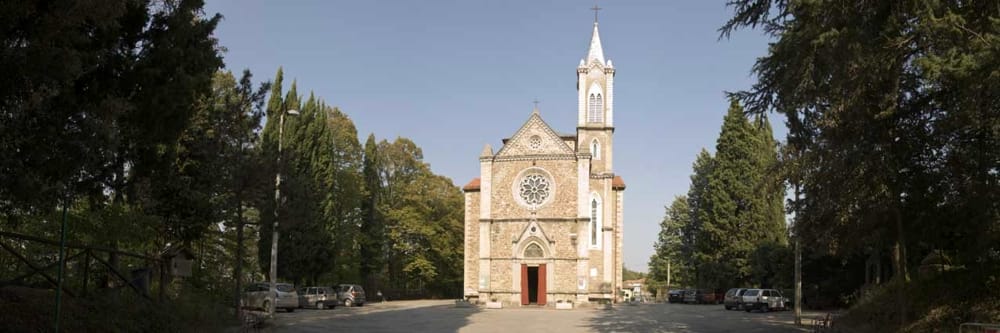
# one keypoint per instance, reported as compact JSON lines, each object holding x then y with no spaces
{"x":728,"y":307}
{"x":765,"y":308}
{"x":290,"y":309}
{"x":747,"y":308}
{"x":347,"y":302}
{"x":320,"y":305}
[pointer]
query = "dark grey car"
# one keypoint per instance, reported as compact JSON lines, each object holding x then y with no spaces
{"x":351,"y":294}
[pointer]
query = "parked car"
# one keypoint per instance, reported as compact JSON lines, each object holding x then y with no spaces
{"x":706,"y":296}
{"x":318,"y":297}
{"x":690,"y":296}
{"x":351,"y":294}
{"x":256,"y":295}
{"x":675,"y":296}
{"x":733,"y":298}
{"x":789,"y":298}
{"x":763,"y":299}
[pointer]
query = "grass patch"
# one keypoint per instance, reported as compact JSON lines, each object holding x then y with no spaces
{"x":938,"y":303}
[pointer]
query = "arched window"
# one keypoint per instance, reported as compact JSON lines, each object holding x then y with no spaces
{"x":600,"y":107}
{"x":594,"y":113}
{"x":595,"y":149}
{"x":595,"y":221}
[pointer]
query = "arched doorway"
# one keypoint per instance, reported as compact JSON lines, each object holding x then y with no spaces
{"x":533,"y":275}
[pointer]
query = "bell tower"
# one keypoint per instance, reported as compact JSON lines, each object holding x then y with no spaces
{"x":595,"y":105}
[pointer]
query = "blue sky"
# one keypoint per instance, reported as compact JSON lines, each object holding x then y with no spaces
{"x":455,"y":75}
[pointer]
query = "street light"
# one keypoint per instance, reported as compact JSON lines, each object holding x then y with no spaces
{"x":277,"y":208}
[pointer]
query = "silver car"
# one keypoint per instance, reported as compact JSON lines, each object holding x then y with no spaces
{"x":763,"y":299}
{"x":734,"y":298}
{"x":256,"y":295}
{"x":319,"y":297}
{"x":351,"y":294}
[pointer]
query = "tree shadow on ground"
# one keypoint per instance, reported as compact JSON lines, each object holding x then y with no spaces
{"x":436,"y":318}
{"x":688,"y":319}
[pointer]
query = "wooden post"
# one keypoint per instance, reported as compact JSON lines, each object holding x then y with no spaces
{"x":163,"y":279}
{"x":86,"y":271}
{"x":668,"y":274}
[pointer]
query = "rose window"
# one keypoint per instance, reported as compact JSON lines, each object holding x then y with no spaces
{"x":535,"y":142}
{"x":534,"y":189}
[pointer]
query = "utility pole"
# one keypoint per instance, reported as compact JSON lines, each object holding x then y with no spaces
{"x":668,"y":275}
{"x":798,"y":267}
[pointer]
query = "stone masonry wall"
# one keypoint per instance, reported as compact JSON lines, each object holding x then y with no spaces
{"x":471,"y":243}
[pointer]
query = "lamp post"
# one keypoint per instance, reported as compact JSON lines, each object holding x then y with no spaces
{"x":277,"y":208}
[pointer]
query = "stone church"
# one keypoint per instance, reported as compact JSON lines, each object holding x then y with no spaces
{"x":543,"y":222}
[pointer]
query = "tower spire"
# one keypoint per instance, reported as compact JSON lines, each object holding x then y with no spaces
{"x":596,"y":52}
{"x":595,"y":9}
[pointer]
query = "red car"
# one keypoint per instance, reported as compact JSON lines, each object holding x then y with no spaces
{"x":706,"y":296}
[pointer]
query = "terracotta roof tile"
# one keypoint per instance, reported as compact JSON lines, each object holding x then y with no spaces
{"x":472,"y":186}
{"x":616,"y":184}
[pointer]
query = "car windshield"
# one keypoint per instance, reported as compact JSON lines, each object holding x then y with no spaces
{"x":751,"y":292}
{"x":285,"y":288}
{"x":345,"y":288}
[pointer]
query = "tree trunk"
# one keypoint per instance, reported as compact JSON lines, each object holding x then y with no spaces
{"x":238,"y":269}
{"x":902,"y":276}
{"x":798,"y":282}
{"x":899,"y":249}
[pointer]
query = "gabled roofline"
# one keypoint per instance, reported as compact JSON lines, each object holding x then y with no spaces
{"x":520,"y":131}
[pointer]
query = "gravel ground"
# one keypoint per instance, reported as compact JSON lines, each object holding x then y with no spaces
{"x":443,"y":316}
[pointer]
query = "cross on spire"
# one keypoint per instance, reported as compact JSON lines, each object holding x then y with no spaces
{"x":595,"y":9}
{"x":536,"y":102}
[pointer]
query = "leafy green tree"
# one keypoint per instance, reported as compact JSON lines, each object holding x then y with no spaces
{"x":94,"y":101}
{"x":95,"y":96}
{"x":423,"y":222}
{"x":224,"y":136}
{"x":894,"y":108}
{"x":668,"y":266}
{"x":628,"y":274}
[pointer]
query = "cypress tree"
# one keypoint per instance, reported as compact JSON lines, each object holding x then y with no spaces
{"x":728,"y":228}
{"x":697,"y":208}
{"x":372,"y":228}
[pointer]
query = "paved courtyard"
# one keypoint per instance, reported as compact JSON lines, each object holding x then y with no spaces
{"x":442,"y":316}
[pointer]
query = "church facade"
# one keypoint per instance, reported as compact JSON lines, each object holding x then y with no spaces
{"x":543,"y":222}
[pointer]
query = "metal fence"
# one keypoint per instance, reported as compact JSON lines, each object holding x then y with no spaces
{"x":978,"y":328}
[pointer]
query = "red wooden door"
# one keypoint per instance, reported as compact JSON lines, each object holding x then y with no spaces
{"x":524,"y":284}
{"x":541,"y":284}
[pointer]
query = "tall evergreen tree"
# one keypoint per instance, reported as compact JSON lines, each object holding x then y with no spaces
{"x":372,"y":228}
{"x":698,"y":206}
{"x":893,"y":107}
{"x":729,"y":229}
{"x":268,"y":152}
{"x":769,"y":206}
